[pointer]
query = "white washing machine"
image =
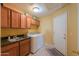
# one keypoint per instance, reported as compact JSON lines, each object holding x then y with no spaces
{"x":37,"y":42}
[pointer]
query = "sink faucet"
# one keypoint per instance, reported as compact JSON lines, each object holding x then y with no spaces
{"x":14,"y":36}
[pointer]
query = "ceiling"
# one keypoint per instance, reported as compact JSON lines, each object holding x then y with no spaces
{"x":45,"y":8}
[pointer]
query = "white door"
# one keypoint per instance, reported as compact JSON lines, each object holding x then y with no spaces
{"x":60,"y":32}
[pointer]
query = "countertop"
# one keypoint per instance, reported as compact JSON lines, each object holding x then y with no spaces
{"x":6,"y":42}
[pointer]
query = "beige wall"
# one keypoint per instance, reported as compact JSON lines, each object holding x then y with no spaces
{"x":46,"y":27}
{"x":11,"y":6}
{"x":72,"y":29}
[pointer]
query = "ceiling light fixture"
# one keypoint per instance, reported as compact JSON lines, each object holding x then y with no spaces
{"x":36,"y":9}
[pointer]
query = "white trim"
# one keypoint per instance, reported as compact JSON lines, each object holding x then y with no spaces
{"x":78,"y":26}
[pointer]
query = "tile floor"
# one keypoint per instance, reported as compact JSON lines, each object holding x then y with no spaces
{"x":41,"y":52}
{"x":47,"y":51}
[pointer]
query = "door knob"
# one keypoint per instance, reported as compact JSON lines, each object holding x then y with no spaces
{"x":64,"y":37}
{"x":64,"y":34}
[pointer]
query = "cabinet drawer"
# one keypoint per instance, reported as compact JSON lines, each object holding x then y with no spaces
{"x":27,"y":41}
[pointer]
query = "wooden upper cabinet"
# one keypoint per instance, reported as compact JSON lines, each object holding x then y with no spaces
{"x":5,"y":17}
{"x":38,"y":23}
{"x":33,"y":22}
{"x":23,"y":21}
{"x":29,"y":21}
{"x":15,"y":19}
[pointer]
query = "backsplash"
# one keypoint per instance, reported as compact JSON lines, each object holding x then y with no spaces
{"x":33,"y":30}
{"x":10,"y":32}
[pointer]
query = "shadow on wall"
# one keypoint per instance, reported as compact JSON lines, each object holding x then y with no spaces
{"x":48,"y":38}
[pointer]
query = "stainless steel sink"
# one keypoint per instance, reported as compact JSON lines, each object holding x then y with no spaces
{"x":16,"y":39}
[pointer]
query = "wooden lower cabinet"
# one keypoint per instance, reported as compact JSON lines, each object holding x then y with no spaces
{"x":20,"y":48}
{"x":24,"y":47}
{"x":10,"y":50}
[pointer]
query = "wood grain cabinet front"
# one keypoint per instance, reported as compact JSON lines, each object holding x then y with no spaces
{"x":10,"y":50}
{"x":24,"y":47}
{"x":5,"y":17}
{"x":35,"y":22}
{"x":23,"y":21}
{"x":29,"y":21}
{"x":15,"y":19}
{"x":38,"y":23}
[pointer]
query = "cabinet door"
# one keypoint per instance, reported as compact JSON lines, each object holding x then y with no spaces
{"x":29,"y":21}
{"x":5,"y":17}
{"x":10,"y":50}
{"x":24,"y":47}
{"x":33,"y":22}
{"x":23,"y":21}
{"x":38,"y":23}
{"x":15,"y":19}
